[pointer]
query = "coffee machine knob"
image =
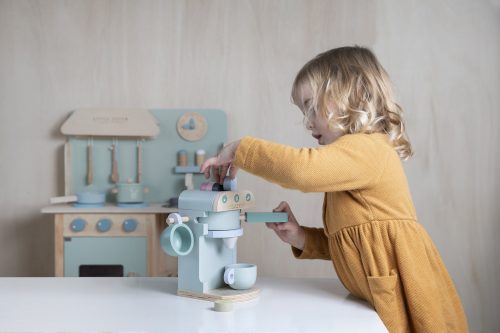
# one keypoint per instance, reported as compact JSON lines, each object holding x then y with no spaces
{"x":129,"y":225}
{"x":78,"y":224}
{"x":104,"y":225}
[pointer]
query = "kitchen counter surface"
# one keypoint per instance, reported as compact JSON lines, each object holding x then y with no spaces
{"x":154,"y":208}
{"x":151,"y":305}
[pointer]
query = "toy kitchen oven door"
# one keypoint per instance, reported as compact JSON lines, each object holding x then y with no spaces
{"x":105,"y":244}
{"x":121,"y":169}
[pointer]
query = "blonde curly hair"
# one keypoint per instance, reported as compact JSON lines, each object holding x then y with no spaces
{"x":353,"y":91}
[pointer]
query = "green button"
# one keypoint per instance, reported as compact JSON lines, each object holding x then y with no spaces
{"x":236,"y":198}
{"x":248,"y":197}
{"x":224,"y":199}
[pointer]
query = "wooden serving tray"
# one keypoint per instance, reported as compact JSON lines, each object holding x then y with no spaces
{"x":225,"y":294}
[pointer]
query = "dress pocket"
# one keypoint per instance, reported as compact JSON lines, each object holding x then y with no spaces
{"x":387,"y":301}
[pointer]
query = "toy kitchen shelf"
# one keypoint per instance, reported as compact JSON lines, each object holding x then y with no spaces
{"x":106,"y":148}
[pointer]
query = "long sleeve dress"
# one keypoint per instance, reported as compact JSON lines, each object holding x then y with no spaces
{"x":379,"y":251}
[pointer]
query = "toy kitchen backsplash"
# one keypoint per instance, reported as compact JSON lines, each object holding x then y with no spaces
{"x":121,"y":153}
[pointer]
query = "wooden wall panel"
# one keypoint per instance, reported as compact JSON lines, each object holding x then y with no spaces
{"x":241,"y":56}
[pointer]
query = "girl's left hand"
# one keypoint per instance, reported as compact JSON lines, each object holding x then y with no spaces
{"x":222,"y":163}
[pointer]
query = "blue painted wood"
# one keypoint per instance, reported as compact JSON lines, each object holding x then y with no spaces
{"x":276,"y":217}
{"x":229,"y":220}
{"x":131,"y":252}
{"x":187,"y":169}
{"x":159,"y":156}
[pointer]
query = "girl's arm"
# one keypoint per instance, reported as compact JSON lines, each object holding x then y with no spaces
{"x":352,"y":162}
{"x":306,"y":242}
{"x":315,"y":245}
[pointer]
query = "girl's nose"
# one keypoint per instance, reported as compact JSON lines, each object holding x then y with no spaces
{"x":309,"y":125}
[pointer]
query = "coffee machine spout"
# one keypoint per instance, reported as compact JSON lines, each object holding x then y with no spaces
{"x":230,"y":242}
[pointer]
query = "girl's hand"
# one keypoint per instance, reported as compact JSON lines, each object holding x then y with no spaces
{"x":289,"y":232}
{"x":222,"y":163}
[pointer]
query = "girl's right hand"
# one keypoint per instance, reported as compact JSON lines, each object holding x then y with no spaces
{"x":222,"y":163}
{"x":289,"y":232}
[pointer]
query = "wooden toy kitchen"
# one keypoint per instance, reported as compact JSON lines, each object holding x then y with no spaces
{"x":123,"y":173}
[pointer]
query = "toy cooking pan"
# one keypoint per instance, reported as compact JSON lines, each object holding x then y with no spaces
{"x":82,"y":199}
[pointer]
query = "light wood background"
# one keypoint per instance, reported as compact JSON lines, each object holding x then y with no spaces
{"x":241,"y":56}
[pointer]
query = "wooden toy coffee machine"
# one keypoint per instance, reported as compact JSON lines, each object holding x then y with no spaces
{"x":203,"y":235}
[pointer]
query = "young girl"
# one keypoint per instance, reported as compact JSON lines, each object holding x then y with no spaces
{"x":379,"y":251}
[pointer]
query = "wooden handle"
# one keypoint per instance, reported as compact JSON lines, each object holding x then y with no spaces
{"x":90,"y":171}
{"x":171,"y":220}
{"x":114,"y":167}
{"x":274,"y":217}
{"x":68,"y":198}
{"x":139,"y":163}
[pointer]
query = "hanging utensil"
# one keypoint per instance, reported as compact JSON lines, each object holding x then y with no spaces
{"x":114,"y":163}
{"x":90,"y":164}
{"x":139,"y":161}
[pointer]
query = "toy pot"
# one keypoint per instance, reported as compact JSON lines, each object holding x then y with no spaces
{"x":130,"y":192}
{"x":177,"y":239}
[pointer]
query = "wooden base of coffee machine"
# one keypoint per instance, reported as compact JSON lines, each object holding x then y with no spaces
{"x":223,"y":294}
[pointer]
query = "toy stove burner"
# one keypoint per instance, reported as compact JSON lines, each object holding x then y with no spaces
{"x":133,"y":205}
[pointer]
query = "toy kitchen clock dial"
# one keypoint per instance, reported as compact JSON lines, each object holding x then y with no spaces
{"x":192,"y":126}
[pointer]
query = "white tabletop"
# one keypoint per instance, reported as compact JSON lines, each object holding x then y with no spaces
{"x":151,"y":305}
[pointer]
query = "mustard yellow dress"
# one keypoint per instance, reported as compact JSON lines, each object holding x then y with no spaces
{"x":379,"y":251}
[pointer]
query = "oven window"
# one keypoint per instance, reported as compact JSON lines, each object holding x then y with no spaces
{"x":100,"y":271}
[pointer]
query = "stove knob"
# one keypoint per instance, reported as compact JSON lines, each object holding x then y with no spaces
{"x":78,"y":224}
{"x":103,"y":225}
{"x":129,"y":225}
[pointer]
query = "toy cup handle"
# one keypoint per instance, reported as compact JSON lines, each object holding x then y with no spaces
{"x":176,"y":218}
{"x":229,"y":276}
